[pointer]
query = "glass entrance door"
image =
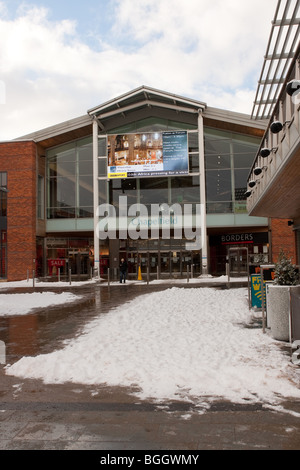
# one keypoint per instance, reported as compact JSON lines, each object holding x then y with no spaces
{"x":132,"y":262}
{"x":165,"y":264}
{"x":144,"y":257}
{"x":175,"y":263}
{"x":153,"y":263}
{"x":186,"y":260}
{"x":238,"y":261}
{"x":79,"y":262}
{"x":163,"y":258}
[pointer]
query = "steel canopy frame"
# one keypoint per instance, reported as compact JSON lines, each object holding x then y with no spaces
{"x":282,"y":44}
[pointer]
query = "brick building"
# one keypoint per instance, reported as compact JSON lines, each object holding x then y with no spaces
{"x":282,"y":237}
{"x":18,"y":208}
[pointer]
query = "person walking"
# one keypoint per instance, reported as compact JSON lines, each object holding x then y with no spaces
{"x":123,"y":270}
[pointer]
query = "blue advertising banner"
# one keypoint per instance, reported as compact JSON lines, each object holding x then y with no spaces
{"x":148,"y":154}
{"x":175,"y":152}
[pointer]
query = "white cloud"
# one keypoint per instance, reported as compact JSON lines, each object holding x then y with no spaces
{"x":211,"y":51}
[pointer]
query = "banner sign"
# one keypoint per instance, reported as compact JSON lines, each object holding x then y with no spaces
{"x":240,"y":238}
{"x":58,"y":263}
{"x":148,"y":154}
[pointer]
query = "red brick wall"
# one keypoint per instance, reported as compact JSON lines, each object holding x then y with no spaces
{"x":283,"y":239}
{"x":18,"y":159}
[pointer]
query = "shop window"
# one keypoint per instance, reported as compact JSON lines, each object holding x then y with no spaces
{"x":3,"y":179}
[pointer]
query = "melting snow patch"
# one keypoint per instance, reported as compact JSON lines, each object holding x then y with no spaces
{"x":178,"y":344}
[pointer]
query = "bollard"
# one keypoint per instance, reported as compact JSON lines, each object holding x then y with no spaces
{"x":70,"y":274}
{"x":33,"y":278}
{"x":192,"y":271}
{"x":188,"y":273}
{"x":2,"y":353}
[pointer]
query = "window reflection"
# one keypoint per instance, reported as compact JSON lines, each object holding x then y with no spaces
{"x":70,"y":180}
{"x":185,"y":190}
{"x":228,"y":159}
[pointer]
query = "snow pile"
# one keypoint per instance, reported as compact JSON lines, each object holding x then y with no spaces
{"x":22,"y":304}
{"x":29,"y":283}
{"x":183,"y":344}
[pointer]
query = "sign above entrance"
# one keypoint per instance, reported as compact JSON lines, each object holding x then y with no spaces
{"x":240,"y":238}
{"x":148,"y":154}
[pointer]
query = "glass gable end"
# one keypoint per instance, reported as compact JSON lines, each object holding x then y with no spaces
{"x":70,"y":181}
{"x":228,"y":159}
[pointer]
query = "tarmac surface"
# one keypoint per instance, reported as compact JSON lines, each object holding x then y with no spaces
{"x":39,"y":416}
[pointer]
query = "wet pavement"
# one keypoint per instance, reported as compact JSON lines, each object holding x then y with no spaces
{"x":39,"y":416}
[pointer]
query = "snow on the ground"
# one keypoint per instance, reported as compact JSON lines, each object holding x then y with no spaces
{"x":29,"y":283}
{"x":195,"y":280}
{"x":182,"y":344}
{"x":212,"y":280}
{"x":22,"y":304}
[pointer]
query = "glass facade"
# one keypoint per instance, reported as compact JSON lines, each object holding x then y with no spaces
{"x":228,"y":159}
{"x":147,"y":191}
{"x":70,"y":181}
{"x":153,"y":190}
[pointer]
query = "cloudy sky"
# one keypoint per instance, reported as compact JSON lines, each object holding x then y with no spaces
{"x":58,"y":58}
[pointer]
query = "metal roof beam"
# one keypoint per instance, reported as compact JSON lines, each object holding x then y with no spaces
{"x":148,"y":103}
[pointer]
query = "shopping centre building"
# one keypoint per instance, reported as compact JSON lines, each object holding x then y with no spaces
{"x":152,"y":147}
{"x":61,"y":187}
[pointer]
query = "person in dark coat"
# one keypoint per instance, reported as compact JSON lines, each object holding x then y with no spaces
{"x":123,"y":270}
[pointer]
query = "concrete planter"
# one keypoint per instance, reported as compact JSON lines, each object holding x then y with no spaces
{"x":278,"y":311}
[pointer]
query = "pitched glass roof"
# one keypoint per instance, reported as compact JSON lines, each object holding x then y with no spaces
{"x":145,"y":96}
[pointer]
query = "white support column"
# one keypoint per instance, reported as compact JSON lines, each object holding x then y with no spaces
{"x":202,"y":193}
{"x":96,"y":197}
